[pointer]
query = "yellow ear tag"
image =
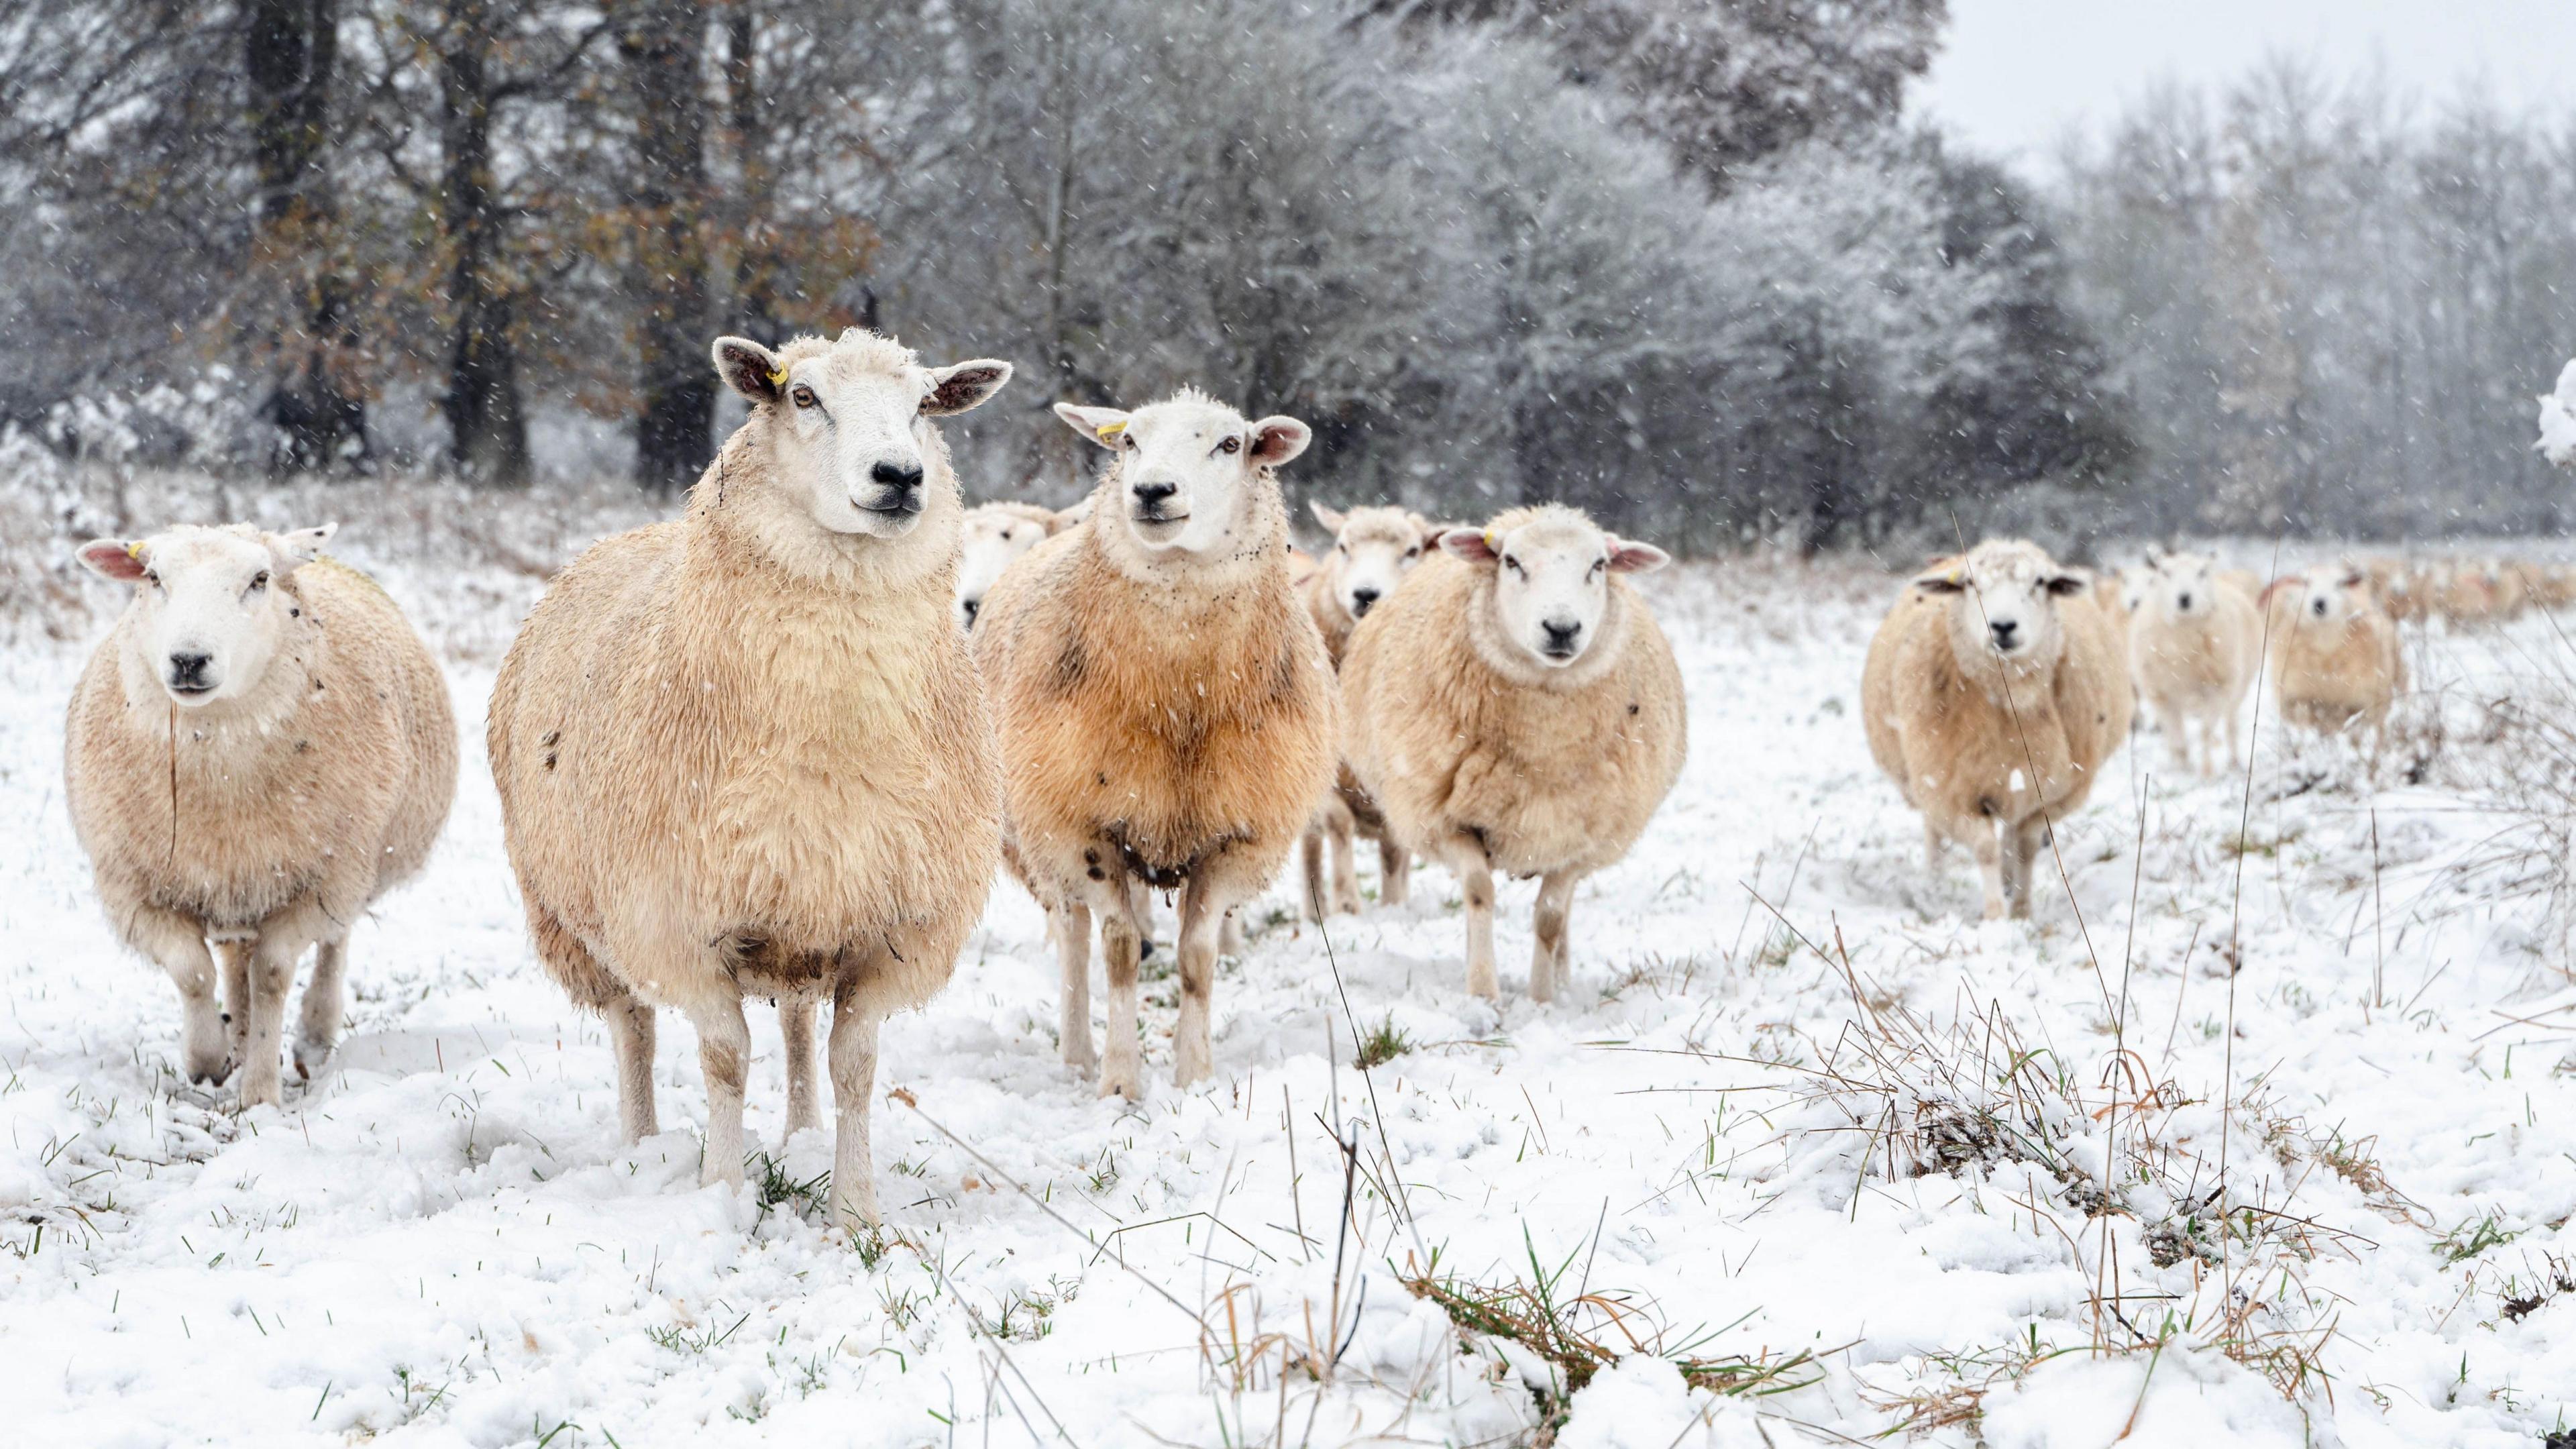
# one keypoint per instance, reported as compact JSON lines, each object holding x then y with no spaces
{"x":134,"y":551}
{"x":778,"y":378}
{"x":1492,"y":544}
{"x":1111,"y":430}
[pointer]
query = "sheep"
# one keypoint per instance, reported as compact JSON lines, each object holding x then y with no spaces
{"x":2558,"y":420}
{"x":1165,"y":707}
{"x":2336,"y":660}
{"x":1373,"y":550}
{"x":996,"y":534}
{"x":2193,"y":654}
{"x":1515,"y":707}
{"x":1992,"y":694}
{"x":259,"y":750}
{"x":744,"y":751}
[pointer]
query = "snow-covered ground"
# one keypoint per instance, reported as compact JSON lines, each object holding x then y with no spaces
{"x":1806,"y":1129}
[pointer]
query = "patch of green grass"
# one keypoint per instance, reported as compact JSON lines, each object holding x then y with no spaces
{"x":1383,"y":1043}
{"x":2474,"y":1237}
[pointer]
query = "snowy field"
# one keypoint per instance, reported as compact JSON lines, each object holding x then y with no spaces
{"x":2258,"y":1140}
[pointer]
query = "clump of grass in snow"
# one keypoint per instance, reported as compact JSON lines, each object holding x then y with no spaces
{"x":2473,"y":1237}
{"x":1383,"y":1043}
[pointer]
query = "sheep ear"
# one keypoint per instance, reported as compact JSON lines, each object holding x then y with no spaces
{"x":302,"y":546}
{"x":1432,"y":532}
{"x":1101,"y":425}
{"x":2073,"y":581}
{"x":1946,"y":577}
{"x":1276,"y":439}
{"x":1630,"y":557}
{"x":1331,"y":518}
{"x":1472,"y":544}
{"x":113,"y":558}
{"x":749,"y":368}
{"x":960,"y":386}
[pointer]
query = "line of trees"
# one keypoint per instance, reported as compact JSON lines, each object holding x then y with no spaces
{"x":1679,"y":262}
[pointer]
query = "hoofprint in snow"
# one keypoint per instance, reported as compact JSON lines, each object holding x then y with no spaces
{"x":2258,"y":1139}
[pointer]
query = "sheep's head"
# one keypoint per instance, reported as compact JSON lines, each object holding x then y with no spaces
{"x":2182,"y":585}
{"x":209,"y":607}
{"x":1373,"y":549}
{"x":2002,"y":598}
{"x":1549,"y":571}
{"x":2333,"y":596}
{"x":996,"y":534}
{"x":849,"y":424}
{"x":1194,"y":477}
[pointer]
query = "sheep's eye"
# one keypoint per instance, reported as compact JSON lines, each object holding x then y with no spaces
{"x":803,"y":395}
{"x":1230,"y":445}
{"x":1599,"y":564}
{"x":1413,"y":552}
{"x":152,"y":578}
{"x":259,"y":581}
{"x":1513,"y":564}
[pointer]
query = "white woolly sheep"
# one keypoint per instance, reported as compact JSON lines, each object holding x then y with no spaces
{"x":2337,"y":662}
{"x":1992,"y":695}
{"x":259,"y":750}
{"x":1165,"y":706}
{"x":2194,"y":650}
{"x":744,"y":752}
{"x":995,"y":536}
{"x":1514,"y":707}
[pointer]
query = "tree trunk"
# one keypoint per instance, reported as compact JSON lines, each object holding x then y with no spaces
{"x":486,"y":425}
{"x":663,"y":42}
{"x":754,"y":267}
{"x":290,"y":48}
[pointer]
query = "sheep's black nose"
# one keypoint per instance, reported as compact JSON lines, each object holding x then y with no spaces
{"x":188,"y":667}
{"x":1362,"y":599}
{"x":897,"y":475}
{"x":2004,"y":631}
{"x":972,"y":608}
{"x":2319,"y":606}
{"x":2183,"y":602}
{"x":1151,"y":493}
{"x":1560,"y":637}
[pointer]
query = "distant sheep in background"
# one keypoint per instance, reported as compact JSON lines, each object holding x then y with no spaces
{"x":2558,"y":420}
{"x":1165,"y":707}
{"x":1514,"y":707}
{"x":259,"y":750}
{"x":2194,"y":650}
{"x":996,"y":534}
{"x":2337,"y":664}
{"x":1373,"y":551}
{"x":744,"y":752}
{"x":1993,"y":693}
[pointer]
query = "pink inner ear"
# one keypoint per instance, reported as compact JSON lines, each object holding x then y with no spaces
{"x":112,"y":560}
{"x":1629,"y":558}
{"x":1469,"y":544}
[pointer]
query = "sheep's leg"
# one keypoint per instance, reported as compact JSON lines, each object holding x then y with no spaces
{"x":1310,"y":869}
{"x":1549,"y":968}
{"x":1475,"y":872}
{"x":2021,"y":846}
{"x":317,"y":1026}
{"x":1229,"y":932}
{"x":178,"y":945}
{"x":1341,"y":829}
{"x":724,"y":1056}
{"x":233,"y":954}
{"x":1121,"y":1063}
{"x":796,"y":1034}
{"x":2177,"y":727}
{"x":1071,"y":924}
{"x":1201,"y":915}
{"x":1394,"y":871}
{"x":1988,"y":848}
{"x":630,"y":1039}
{"x":854,"y":1074}
{"x":272,"y":975}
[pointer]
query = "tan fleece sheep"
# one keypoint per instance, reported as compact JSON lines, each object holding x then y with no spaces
{"x":1514,"y":707}
{"x":1373,"y":550}
{"x":2194,"y":649}
{"x":1165,"y":706}
{"x":744,"y":752}
{"x":259,"y":750}
{"x":2337,"y":662}
{"x":1993,"y":693}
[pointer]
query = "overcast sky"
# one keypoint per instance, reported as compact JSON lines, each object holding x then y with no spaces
{"x":2015,"y":73}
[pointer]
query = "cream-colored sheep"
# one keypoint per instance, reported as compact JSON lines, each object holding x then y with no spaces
{"x":1373,"y":550}
{"x":2337,"y":663}
{"x":1165,"y":706}
{"x":744,"y":752}
{"x":1993,"y":694}
{"x":1514,"y":707}
{"x":259,"y":750}
{"x":996,"y":535}
{"x":2194,"y":650}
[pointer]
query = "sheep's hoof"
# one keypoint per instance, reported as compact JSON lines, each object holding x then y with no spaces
{"x":311,"y":1057}
{"x":210,"y":1074}
{"x":1121,"y":1081}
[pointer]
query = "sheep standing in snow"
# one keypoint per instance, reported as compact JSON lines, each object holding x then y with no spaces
{"x":1373,"y":549}
{"x":995,"y":535}
{"x":2194,"y":650}
{"x":744,"y":752}
{"x":2558,"y":420}
{"x":259,"y":750}
{"x":2337,"y":663}
{"x":1992,"y":695}
{"x":1515,"y":707}
{"x":1165,"y":706}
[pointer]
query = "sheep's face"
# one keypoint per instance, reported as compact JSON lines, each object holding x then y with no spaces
{"x":2182,"y":585}
{"x":996,"y":534}
{"x":1551,"y":579}
{"x":850,"y":423}
{"x":1190,"y":469}
{"x":2135,"y":581}
{"x":2003,"y":599}
{"x":1373,"y":549}
{"x":208,"y":611}
{"x":2330,"y":598}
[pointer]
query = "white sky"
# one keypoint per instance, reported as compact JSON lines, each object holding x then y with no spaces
{"x":2016,"y":73}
